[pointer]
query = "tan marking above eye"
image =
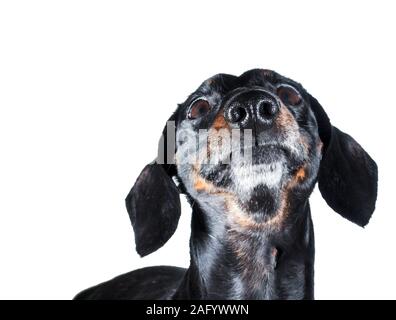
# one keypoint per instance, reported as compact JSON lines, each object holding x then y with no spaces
{"x":285,"y":119}
{"x":220,"y":122}
{"x":288,"y":95}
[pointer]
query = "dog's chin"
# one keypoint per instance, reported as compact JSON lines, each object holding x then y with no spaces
{"x":266,"y":165}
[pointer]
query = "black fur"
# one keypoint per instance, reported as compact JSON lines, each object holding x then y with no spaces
{"x":153,"y":206}
{"x":348,"y":178}
{"x":232,"y":259}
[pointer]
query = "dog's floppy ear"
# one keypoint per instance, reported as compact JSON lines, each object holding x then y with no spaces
{"x":153,"y":204}
{"x":347,"y":175}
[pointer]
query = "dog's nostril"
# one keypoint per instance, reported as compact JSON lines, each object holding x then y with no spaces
{"x":267,"y":109}
{"x":237,"y":114}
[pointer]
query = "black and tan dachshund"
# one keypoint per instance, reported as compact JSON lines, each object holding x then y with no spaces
{"x":247,"y":152}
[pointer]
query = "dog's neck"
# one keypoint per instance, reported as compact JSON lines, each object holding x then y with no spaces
{"x":237,"y":259}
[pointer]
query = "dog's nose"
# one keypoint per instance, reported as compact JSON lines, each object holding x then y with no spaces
{"x":251,"y":107}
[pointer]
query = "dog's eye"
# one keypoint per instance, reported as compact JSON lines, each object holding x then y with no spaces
{"x":288,"y":95}
{"x":199,"y":109}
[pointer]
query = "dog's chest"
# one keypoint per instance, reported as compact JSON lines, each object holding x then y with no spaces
{"x":255,"y":259}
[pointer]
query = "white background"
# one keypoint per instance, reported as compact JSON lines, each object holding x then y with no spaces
{"x":86,"y":88}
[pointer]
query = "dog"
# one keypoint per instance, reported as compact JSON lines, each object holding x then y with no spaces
{"x":247,"y":152}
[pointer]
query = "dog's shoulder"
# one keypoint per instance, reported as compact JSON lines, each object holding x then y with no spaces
{"x":158,"y":282}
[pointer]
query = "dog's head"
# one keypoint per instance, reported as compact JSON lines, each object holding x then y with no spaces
{"x":247,"y":150}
